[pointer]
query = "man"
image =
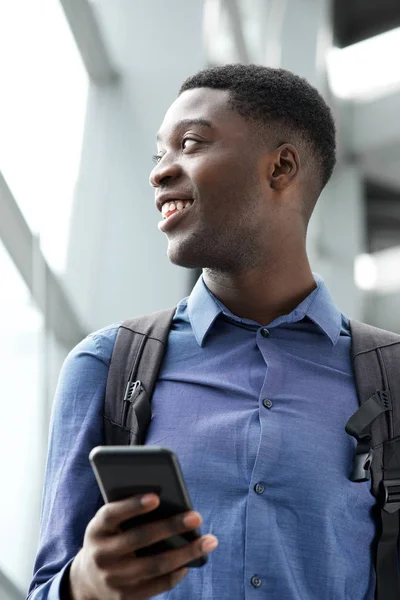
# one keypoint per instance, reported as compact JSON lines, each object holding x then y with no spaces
{"x":256,"y":384}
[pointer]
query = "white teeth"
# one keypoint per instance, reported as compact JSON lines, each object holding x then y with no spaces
{"x":179,"y":205}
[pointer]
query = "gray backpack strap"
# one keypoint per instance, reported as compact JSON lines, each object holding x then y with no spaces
{"x":134,"y":368}
{"x":376,"y":364}
{"x":376,"y":427}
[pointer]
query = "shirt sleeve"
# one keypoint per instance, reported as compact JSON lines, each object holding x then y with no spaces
{"x":71,"y":496}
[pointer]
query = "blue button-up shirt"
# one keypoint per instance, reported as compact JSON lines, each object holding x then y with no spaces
{"x":256,"y":416}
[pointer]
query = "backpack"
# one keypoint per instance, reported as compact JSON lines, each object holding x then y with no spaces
{"x":375,"y":353}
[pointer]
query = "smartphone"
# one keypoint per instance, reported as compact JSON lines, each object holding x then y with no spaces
{"x":123,"y":471}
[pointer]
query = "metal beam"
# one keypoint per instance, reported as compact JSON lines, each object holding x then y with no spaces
{"x":24,"y":250}
{"x":89,"y":38}
{"x":9,"y":591}
{"x":232,"y":9}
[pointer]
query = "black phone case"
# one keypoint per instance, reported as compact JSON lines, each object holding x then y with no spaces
{"x":123,"y":471}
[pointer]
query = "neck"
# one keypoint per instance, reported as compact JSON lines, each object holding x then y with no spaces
{"x":265,"y":292}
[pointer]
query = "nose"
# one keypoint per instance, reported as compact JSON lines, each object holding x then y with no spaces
{"x":163,"y":172}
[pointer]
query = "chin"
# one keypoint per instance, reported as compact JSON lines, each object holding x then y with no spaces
{"x":194,"y":255}
{"x":189,"y":258}
{"x":190,"y":251}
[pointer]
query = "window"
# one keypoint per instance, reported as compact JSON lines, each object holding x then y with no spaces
{"x":42,"y":110}
{"x":22,"y":426}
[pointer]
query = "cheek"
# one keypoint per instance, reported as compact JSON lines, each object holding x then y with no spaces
{"x":221,"y":177}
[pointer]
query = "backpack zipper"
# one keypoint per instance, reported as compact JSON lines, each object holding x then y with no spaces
{"x":386,"y":389}
{"x":132,"y":392}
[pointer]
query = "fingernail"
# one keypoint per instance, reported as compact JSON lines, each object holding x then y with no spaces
{"x":147,"y":499}
{"x":209,"y":544}
{"x":191,"y":520}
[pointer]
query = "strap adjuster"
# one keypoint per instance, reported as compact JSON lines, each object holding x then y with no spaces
{"x":390,"y":495}
{"x":362,"y":466}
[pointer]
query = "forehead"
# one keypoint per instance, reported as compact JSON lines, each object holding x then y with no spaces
{"x":203,"y":104}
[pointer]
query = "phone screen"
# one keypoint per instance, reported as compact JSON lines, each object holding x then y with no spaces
{"x":124,"y":471}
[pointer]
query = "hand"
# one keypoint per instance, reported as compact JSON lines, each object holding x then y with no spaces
{"x":106,"y":567}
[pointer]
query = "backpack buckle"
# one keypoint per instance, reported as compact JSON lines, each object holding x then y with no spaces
{"x":390,"y":495}
{"x":361,"y":466}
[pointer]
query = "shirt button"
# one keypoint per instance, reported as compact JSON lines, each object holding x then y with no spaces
{"x":267,"y":403}
{"x":255,"y":581}
{"x":264,"y":332}
{"x":259,"y":488}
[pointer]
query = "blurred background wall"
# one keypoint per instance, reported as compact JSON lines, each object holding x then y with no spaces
{"x":84,"y":87}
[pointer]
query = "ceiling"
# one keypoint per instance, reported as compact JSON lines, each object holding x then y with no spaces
{"x":354,"y":21}
{"x":357,"y":20}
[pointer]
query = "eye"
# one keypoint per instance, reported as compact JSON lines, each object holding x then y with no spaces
{"x":188,"y":140}
{"x":156,"y":158}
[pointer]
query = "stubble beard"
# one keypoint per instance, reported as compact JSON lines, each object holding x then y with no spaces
{"x":229,"y":248}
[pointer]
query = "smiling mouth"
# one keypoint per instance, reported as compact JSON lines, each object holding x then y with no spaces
{"x":170,"y":208}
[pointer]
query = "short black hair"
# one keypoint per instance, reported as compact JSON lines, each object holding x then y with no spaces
{"x":277,"y":97}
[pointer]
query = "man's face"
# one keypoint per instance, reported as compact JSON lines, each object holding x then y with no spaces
{"x":207,"y":154}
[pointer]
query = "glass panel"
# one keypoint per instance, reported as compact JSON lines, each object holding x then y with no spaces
{"x":22,"y":428}
{"x":43,"y":100}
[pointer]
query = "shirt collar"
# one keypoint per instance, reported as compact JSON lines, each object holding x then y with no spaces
{"x":202,"y":310}
{"x":319,"y":307}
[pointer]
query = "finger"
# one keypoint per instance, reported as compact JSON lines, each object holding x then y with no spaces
{"x":158,"y":586}
{"x":109,"y":517}
{"x":142,"y":569}
{"x":150,"y":533}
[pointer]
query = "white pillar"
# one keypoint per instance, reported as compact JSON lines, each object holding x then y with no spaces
{"x":336,"y":230}
{"x":306,"y":36}
{"x":117,"y":262}
{"x":341,"y":224}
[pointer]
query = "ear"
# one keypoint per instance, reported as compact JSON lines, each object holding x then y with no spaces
{"x":285,"y":167}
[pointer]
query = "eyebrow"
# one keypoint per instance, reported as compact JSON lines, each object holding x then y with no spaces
{"x":188,"y":122}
